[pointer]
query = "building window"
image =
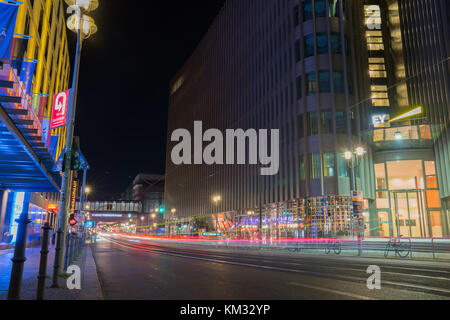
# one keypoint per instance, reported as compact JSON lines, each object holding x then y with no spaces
{"x":313,"y":128}
{"x":301,"y":132}
{"x":311,"y":81}
{"x":326,"y":122}
{"x":333,"y":10}
{"x":302,"y":168}
{"x":314,"y":160}
{"x":309,"y":45}
{"x":340,"y":122}
{"x":296,"y":16}
{"x":299,"y":88}
{"x":324,"y":81}
{"x":322,"y":43}
{"x":321,"y":8}
{"x":343,"y":167}
{"x":380,"y":176}
{"x":298,"y":51}
{"x":338,"y":82}
{"x":307,"y":10}
{"x":328,"y":164}
{"x":335,"y":40}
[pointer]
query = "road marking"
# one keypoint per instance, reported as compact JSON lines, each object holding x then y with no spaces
{"x":355,"y":296}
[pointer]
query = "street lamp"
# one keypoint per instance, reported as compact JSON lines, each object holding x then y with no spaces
{"x":84,"y":26}
{"x":354,"y":161}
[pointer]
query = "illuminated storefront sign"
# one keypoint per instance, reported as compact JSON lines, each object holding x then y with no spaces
{"x":73,"y":195}
{"x":18,"y":207}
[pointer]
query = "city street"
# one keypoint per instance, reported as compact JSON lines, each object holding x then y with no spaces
{"x":145,"y":269}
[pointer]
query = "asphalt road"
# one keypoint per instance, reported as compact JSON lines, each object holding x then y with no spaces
{"x":148,"y":270}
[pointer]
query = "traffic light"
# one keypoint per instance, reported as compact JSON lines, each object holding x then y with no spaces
{"x":161,"y":209}
{"x":72,"y":220}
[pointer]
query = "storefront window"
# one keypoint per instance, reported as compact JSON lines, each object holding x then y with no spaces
{"x":380,"y":176}
{"x":430,"y":172}
{"x":433,"y":199}
{"x":405,"y":175}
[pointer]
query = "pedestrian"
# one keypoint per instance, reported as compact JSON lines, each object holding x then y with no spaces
{"x":54,"y":238}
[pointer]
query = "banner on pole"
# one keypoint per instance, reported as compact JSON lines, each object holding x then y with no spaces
{"x":59,"y":109}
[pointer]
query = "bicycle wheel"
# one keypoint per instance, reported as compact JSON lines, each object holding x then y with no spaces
{"x":327,"y":250}
{"x":403,"y":250}
{"x":387,"y":249}
{"x":337,"y":248}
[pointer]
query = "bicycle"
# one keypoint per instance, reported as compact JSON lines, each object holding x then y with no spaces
{"x":401,"y":249}
{"x":336,"y":246}
{"x":295,"y":249}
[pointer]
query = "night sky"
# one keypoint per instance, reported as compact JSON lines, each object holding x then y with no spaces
{"x":124,"y":85}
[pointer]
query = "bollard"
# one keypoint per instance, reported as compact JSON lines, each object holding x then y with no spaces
{"x":56,"y":266}
{"x":43,"y":264}
{"x":15,"y":283}
{"x":72,"y":248}
{"x":67,"y":253}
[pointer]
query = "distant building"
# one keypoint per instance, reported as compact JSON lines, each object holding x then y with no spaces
{"x":149,"y":190}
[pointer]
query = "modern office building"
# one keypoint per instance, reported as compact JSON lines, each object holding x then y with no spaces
{"x":334,"y":76}
{"x":33,"y":68}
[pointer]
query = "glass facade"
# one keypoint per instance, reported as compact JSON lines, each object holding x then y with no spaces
{"x":408,"y":201}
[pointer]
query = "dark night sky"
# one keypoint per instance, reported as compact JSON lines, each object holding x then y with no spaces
{"x":124,"y":83}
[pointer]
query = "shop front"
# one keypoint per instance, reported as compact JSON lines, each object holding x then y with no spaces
{"x":408,"y":202}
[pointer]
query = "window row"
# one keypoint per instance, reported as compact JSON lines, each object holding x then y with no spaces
{"x":323,"y":84}
{"x":329,"y":166}
{"x":319,"y":8}
{"x":326,"y":123}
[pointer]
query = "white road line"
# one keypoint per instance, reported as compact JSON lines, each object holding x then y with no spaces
{"x":351,"y":295}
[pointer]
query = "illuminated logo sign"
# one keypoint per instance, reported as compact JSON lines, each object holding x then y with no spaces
{"x":415,"y":112}
{"x":59,"y":110}
{"x":52,"y":207}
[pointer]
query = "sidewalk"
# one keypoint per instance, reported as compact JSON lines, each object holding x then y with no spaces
{"x":90,"y":285}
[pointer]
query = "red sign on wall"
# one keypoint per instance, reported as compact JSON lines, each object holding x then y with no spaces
{"x":59,"y":110}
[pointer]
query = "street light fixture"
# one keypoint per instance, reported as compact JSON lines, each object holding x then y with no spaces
{"x":84,"y":26}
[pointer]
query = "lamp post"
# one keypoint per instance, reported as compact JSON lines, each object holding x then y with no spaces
{"x":84,"y":26}
{"x":216,"y":199}
{"x":354,"y":159}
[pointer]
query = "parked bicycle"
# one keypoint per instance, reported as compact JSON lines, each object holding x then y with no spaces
{"x":335,"y":246}
{"x":295,"y":249}
{"x":401,"y":248}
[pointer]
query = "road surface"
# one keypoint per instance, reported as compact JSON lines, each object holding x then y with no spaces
{"x":148,"y":270}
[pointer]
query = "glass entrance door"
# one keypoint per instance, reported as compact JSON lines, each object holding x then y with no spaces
{"x":409,"y":214}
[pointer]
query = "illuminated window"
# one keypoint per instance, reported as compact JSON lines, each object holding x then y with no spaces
{"x":374,"y":34}
{"x":379,"y":88}
{"x":328,"y":163}
{"x":380,"y":102}
{"x":378,"y":74}
{"x":375,"y":67}
{"x":376,"y":60}
{"x":314,"y":160}
{"x":380,"y":95}
{"x":311,"y":83}
{"x":376,"y":47}
{"x":302,"y":168}
{"x":375,"y":40}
